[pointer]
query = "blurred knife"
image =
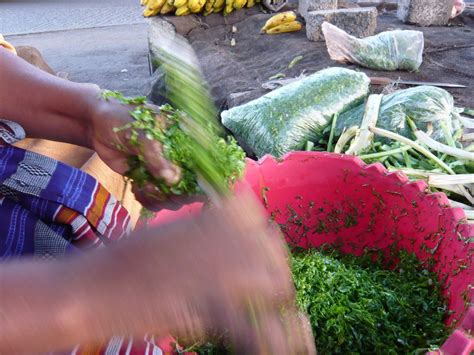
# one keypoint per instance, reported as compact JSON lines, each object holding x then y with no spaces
{"x":387,"y":81}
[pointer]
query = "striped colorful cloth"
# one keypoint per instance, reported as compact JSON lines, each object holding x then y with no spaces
{"x":48,"y":209}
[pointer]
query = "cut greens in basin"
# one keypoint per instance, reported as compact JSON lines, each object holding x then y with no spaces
{"x":361,"y":305}
{"x":358,"y":306}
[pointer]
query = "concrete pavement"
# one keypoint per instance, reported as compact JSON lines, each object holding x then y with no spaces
{"x":102,"y":42}
{"x":22,"y":17}
{"x":113,"y":57}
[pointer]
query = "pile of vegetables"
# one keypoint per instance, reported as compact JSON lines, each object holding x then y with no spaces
{"x":218,"y":164}
{"x":358,"y":306}
{"x":361,"y":305}
{"x":417,"y":131}
{"x":285,"y":118}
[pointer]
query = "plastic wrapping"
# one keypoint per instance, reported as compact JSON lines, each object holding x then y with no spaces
{"x":422,"y":104}
{"x":391,"y":50}
{"x":458,"y":8}
{"x":286,"y":118}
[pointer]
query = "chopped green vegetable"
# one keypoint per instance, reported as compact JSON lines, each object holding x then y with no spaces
{"x":223,"y":158}
{"x":357,"y":306}
{"x":295,"y":61}
{"x":277,"y":76}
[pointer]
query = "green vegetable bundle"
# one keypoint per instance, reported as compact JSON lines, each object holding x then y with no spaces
{"x":430,"y":108}
{"x":418,"y":131}
{"x":357,"y":306}
{"x":284,"y":119}
{"x":390,"y":50}
{"x":179,"y":146}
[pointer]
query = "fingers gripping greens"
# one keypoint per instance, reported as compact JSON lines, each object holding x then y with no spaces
{"x":180,"y":148}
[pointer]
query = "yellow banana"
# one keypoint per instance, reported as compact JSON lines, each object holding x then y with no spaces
{"x":283,"y":17}
{"x":167,"y":8}
{"x":219,"y":5}
{"x":250,"y":3}
{"x":229,"y":7}
{"x":170,"y":2}
{"x":285,"y":27}
{"x":202,"y":3}
{"x":179,"y":3}
{"x":238,"y":4}
{"x":143,"y":2}
{"x":196,"y":6}
{"x":153,"y":7}
{"x":209,"y":5}
{"x":182,"y":11}
{"x":193,"y":5}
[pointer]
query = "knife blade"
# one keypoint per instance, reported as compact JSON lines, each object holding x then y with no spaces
{"x":386,"y":81}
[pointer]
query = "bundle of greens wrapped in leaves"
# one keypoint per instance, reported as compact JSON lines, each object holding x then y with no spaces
{"x":218,"y":163}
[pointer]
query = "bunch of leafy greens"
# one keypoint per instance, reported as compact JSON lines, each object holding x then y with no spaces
{"x":358,"y":306}
{"x":220,"y":162}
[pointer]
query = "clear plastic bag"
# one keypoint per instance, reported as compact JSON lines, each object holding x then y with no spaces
{"x":458,"y":8}
{"x":391,"y":50}
{"x":286,"y":118}
{"x":430,"y":108}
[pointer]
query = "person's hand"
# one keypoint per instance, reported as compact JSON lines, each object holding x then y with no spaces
{"x":224,"y":272}
{"x":114,"y":148}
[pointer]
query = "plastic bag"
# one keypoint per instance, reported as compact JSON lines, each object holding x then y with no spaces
{"x":391,"y":50}
{"x":286,"y":118}
{"x":458,"y":8}
{"x":422,"y":104}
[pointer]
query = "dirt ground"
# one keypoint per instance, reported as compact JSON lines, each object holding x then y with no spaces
{"x":448,"y":55}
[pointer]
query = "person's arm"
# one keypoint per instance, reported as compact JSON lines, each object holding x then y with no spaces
{"x":223,"y":272}
{"x":46,"y":106}
{"x":52,"y":108}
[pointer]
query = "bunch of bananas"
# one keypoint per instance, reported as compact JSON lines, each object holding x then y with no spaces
{"x":282,"y":23}
{"x":186,"y":7}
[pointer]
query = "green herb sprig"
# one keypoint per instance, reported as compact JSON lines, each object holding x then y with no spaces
{"x":221,"y":159}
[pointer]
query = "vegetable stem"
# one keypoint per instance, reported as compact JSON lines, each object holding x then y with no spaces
{"x":331,"y":134}
{"x":387,"y":134}
{"x":345,"y":137}
{"x":384,"y":154}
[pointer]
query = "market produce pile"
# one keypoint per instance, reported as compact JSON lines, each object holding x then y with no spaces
{"x":186,"y":7}
{"x":417,"y":130}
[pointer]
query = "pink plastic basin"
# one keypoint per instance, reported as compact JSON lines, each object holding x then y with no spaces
{"x":322,"y":198}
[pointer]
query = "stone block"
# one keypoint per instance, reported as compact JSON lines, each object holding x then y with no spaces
{"x":425,"y":12}
{"x":160,"y":31}
{"x":359,"y":22}
{"x":305,"y":6}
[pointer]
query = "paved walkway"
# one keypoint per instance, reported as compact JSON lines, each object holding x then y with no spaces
{"x":22,"y":16}
{"x":96,"y":41}
{"x":113,"y":57}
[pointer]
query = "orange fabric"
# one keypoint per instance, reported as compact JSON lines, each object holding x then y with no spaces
{"x":89,"y":162}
